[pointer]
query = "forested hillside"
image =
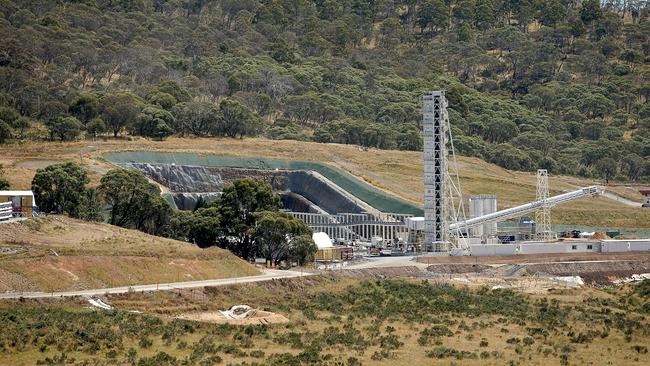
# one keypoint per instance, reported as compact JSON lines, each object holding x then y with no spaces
{"x":560,"y":84}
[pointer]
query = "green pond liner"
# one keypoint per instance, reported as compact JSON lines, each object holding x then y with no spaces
{"x":374,"y":197}
{"x":170,"y":199}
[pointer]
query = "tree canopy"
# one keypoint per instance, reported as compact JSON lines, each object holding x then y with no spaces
{"x":237,"y":207}
{"x":275,"y":234}
{"x":60,"y":188}
{"x":345,"y":71}
{"x":247,"y":221}
{"x":4,"y":183}
{"x":134,"y":203}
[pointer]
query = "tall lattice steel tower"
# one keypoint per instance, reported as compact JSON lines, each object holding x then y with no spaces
{"x":443,"y":203}
{"x":543,"y":214}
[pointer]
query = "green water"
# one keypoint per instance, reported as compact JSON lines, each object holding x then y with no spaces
{"x":362,"y":190}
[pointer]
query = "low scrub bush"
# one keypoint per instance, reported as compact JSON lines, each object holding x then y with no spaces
{"x":444,"y":352}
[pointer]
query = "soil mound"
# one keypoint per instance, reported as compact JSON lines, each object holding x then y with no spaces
{"x":382,"y":272}
{"x":252,"y":316}
{"x":458,"y":268}
{"x":599,"y":235}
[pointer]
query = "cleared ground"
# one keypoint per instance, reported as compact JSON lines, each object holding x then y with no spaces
{"x":58,"y":253}
{"x":397,"y":172}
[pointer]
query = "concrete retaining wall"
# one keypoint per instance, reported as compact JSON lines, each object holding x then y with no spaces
{"x":617,"y":246}
{"x":295,"y":202}
{"x":188,"y":200}
{"x":606,"y":246}
{"x":563,"y":247}
{"x":182,"y":178}
{"x":638,"y":245}
{"x":481,"y":250}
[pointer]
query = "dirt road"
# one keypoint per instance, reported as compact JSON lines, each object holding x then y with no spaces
{"x":623,"y":200}
{"x":268,"y":275}
{"x":421,"y":262}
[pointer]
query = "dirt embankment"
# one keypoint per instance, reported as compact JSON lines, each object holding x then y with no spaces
{"x":58,"y":253}
{"x":254,"y":316}
{"x":595,"y":273}
{"x":458,"y":268}
{"x":381,"y":273}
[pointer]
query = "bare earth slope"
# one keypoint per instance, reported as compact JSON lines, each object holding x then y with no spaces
{"x":398,"y":172}
{"x":58,"y":253}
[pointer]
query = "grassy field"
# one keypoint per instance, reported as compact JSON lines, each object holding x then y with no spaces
{"x":338,"y":321}
{"x":59,"y":253}
{"x":397,"y":172}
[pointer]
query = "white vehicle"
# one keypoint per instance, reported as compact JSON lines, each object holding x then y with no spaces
{"x":386,"y":252}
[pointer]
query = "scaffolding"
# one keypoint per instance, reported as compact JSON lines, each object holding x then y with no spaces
{"x":543,"y":213}
{"x":443,"y":203}
{"x":358,"y":226}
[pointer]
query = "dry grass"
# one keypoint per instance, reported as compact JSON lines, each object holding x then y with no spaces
{"x":398,"y":172}
{"x":59,"y":253}
{"x":611,"y":350}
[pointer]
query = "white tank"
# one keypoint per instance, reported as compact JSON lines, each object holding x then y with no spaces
{"x":482,"y":205}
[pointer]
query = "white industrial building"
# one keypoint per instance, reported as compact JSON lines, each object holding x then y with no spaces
{"x":567,"y":247}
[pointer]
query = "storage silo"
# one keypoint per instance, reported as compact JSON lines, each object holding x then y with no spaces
{"x":475,"y":210}
{"x":482,"y":205}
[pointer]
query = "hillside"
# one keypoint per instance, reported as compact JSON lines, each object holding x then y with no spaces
{"x":59,"y":253}
{"x":397,"y":172}
{"x":347,"y":318}
{"x":558,"y":84}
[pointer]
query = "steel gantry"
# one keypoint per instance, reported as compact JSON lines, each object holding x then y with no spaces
{"x":357,"y":226}
{"x":543,"y":214}
{"x":443,"y":202}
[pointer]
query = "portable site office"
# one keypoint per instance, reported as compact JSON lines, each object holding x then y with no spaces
{"x":22,"y":202}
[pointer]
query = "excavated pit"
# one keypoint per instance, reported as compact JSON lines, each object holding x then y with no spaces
{"x":300,"y":190}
